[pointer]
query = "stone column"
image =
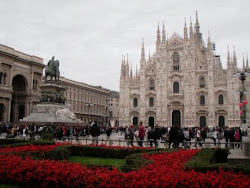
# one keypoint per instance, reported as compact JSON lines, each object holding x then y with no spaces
{"x":11,"y":74}
{"x":9,"y":110}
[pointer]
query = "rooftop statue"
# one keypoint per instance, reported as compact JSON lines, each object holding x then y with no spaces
{"x":52,"y":69}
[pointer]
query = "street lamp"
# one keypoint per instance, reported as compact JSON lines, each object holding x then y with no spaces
{"x":89,"y":105}
{"x":243,"y":102}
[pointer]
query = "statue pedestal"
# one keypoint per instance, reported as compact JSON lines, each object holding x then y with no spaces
{"x":52,"y":93}
{"x":52,"y":107}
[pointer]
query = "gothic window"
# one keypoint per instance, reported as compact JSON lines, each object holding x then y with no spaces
{"x":1,"y":80}
{"x":135,"y":102}
{"x":202,"y":82}
{"x":202,"y":100}
{"x":221,"y":99}
{"x":176,"y":62}
{"x":151,"y":101}
{"x":4,"y":78}
{"x":33,"y":85}
{"x":151,"y":84}
{"x":176,"y":87}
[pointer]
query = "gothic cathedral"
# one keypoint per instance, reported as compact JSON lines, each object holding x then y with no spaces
{"x":182,"y":83}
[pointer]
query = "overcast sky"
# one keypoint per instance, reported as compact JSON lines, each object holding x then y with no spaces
{"x":89,"y":37}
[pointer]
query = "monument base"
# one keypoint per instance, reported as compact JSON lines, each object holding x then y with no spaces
{"x":51,"y":113}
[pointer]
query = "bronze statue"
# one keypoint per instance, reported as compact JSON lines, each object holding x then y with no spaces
{"x":52,"y":69}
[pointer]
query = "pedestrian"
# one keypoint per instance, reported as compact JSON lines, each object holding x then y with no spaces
{"x":172,"y":137}
{"x":95,"y":133}
{"x":227,"y":136}
{"x":231,"y":136}
{"x":214,"y":136}
{"x":141,"y":134}
{"x":186,"y":137}
{"x":237,"y":137}
{"x":108,"y":133}
{"x":131,"y":135}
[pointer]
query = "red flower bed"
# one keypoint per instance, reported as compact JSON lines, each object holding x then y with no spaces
{"x":28,"y":148}
{"x":166,"y":171}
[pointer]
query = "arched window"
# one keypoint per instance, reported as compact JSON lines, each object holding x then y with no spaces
{"x":221,"y":99}
{"x":135,"y":102}
{"x":176,"y":87}
{"x":176,"y":62}
{"x":202,"y":100}
{"x":202,"y":82}
{"x":151,"y":84}
{"x":1,"y":80}
{"x":151,"y":101}
{"x":4,"y":78}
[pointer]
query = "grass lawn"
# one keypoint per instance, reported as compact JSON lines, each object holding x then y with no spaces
{"x":118,"y":163}
{"x":8,"y":186}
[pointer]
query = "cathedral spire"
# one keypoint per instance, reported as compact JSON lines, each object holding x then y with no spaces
{"x":185,"y":31}
{"x":122,"y":69}
{"x":127,"y":68}
{"x":228,"y":58}
{"x":244,"y":68}
{"x":131,"y":72}
{"x":235,"y":61}
{"x":247,"y":65}
{"x":148,"y":54}
{"x":197,"y":25}
{"x":209,"y":45}
{"x":191,"y":29}
{"x":142,"y":50}
{"x":136,"y":70}
{"x":158,"y":41}
{"x":163,"y":35}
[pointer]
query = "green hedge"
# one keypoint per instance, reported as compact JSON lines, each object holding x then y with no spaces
{"x":205,"y":160}
{"x":105,"y":152}
{"x":17,"y":142}
{"x":59,"y":153}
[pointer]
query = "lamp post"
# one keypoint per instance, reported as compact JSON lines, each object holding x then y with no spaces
{"x":243,"y":102}
{"x":89,"y":105}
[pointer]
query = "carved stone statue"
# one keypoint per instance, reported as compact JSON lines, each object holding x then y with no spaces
{"x":52,"y":70}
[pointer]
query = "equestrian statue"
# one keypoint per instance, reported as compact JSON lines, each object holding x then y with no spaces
{"x":52,"y":69}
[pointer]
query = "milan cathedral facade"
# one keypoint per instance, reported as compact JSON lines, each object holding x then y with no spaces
{"x":182,"y":83}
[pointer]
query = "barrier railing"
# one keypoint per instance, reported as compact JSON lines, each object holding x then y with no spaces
{"x":121,"y":142}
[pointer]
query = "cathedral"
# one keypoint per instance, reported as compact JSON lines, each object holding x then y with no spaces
{"x":183,"y":83}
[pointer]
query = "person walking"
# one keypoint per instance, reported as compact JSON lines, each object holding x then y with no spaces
{"x":95,"y":133}
{"x":108,"y":133}
{"x":172,"y":137}
{"x":131,"y":135}
{"x":141,"y":134}
{"x":227,"y":136}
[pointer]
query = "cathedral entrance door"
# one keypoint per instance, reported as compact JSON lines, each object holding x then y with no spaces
{"x":203,"y":121}
{"x":135,"y":120}
{"x":221,"y":121}
{"x":151,"y":121}
{"x":176,"y":118}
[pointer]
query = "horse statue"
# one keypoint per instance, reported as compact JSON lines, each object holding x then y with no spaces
{"x":52,"y":70}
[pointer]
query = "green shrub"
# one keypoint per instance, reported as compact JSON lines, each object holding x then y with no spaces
{"x":16,"y":142}
{"x":59,"y":153}
{"x":135,"y":161}
{"x":105,"y":152}
{"x":204,"y":161}
{"x":220,"y":155}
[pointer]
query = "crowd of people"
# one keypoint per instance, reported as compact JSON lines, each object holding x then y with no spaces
{"x":174,"y":136}
{"x":171,"y":136}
